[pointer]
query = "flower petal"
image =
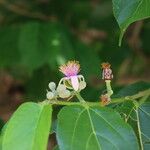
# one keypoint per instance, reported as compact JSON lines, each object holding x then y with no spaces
{"x":75,"y":82}
{"x":82,"y":85}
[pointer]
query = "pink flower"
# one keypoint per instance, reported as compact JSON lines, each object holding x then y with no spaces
{"x":71,"y":70}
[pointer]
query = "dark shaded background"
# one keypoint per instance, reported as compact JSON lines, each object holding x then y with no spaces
{"x":36,"y":36}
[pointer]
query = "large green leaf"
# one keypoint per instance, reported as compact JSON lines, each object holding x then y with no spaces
{"x":93,"y":128}
{"x":139,"y":119}
{"x":133,"y":89}
{"x":137,"y":116}
{"x":143,"y":121}
{"x":56,"y":147}
{"x":129,"y":11}
{"x":127,"y":108}
{"x":28,"y":129}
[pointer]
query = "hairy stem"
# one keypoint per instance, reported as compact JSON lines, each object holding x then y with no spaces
{"x":109,"y":89}
{"x":114,"y":100}
{"x":79,"y":97}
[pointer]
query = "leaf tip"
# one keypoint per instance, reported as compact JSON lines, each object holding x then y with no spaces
{"x":121,"y":36}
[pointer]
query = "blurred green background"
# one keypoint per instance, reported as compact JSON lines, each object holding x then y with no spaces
{"x":36,"y":36}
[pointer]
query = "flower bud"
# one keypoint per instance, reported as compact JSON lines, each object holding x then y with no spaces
{"x":61,"y":88}
{"x":65,"y":94}
{"x":105,"y":99}
{"x":50,"y":95}
{"x":52,"y":86}
{"x":107,"y":71}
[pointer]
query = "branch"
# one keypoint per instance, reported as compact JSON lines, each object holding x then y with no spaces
{"x":24,"y":12}
{"x":113,"y":101}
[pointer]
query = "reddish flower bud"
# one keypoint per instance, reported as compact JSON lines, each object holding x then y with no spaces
{"x":105,"y":99}
{"x":107,"y":71}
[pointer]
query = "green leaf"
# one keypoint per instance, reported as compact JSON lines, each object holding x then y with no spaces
{"x":56,"y":147}
{"x":138,"y":118}
{"x":28,"y":129}
{"x":133,"y":89}
{"x":129,"y":11}
{"x":95,"y":127}
{"x":143,"y":121}
{"x":126,"y":109}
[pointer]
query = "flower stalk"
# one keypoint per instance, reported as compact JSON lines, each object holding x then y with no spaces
{"x":80,"y":98}
{"x":109,"y":88}
{"x":107,"y":76}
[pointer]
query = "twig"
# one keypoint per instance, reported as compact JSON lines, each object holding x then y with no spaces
{"x":113,"y":101}
{"x":24,"y":12}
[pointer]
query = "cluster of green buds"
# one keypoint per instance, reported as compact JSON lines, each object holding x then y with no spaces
{"x":59,"y":91}
{"x":69,"y":85}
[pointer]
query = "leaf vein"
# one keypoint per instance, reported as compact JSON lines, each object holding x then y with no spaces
{"x":109,"y":124}
{"x":93,"y":129}
{"x":73,"y":134}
